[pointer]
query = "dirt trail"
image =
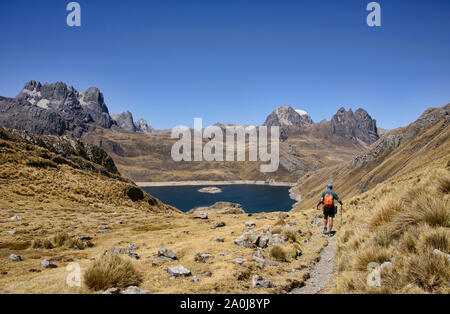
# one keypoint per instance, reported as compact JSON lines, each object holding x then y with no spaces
{"x":322,"y":270}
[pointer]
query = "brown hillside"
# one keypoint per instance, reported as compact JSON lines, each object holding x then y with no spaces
{"x":146,"y":157}
{"x":52,"y":168}
{"x":400,"y":152}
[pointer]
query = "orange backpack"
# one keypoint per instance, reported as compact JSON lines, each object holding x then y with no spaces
{"x":328,"y":201}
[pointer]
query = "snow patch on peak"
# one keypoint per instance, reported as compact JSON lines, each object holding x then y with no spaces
{"x":301,"y":112}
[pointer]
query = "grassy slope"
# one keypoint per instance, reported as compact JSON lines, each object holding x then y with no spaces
{"x":429,"y":145}
{"x":58,"y":201}
{"x":402,"y":216}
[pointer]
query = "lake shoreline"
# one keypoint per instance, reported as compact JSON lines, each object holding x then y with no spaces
{"x":212,"y":183}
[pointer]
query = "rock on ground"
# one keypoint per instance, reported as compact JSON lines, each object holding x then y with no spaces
{"x":48,"y":264}
{"x":16,"y":258}
{"x":178,"y":271}
{"x":129,"y":290}
{"x":260,"y":282}
{"x":167,"y":253}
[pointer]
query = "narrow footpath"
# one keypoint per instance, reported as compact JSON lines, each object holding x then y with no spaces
{"x":322,"y":270}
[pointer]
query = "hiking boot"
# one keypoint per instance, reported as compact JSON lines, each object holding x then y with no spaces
{"x":325,"y":230}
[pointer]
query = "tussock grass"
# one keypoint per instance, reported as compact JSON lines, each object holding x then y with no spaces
{"x":110,"y":271}
{"x":15,"y":246}
{"x":405,"y":226}
{"x":388,"y":209}
{"x":278,"y":253}
{"x":61,"y":239}
{"x":438,"y":239}
{"x":291,"y":235}
{"x":147,"y":228}
{"x":280,"y":222}
{"x":42,"y":244}
{"x":421,"y":206}
{"x":371,"y":254}
{"x":444,"y":185}
{"x":428,"y":271}
{"x":277,"y":230}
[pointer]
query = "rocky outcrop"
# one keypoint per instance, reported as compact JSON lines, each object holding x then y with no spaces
{"x":287,"y":116}
{"x":142,"y":126}
{"x":358,"y":126}
{"x":382,"y":131}
{"x":394,"y":138}
{"x":85,"y":156}
{"x":124,"y":121}
{"x":219,"y":208}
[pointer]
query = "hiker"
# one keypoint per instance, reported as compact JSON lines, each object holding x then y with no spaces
{"x":329,"y":209}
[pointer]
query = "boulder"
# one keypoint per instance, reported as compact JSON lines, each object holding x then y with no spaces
{"x":16,"y":258}
{"x":201,"y":216}
{"x":129,"y":290}
{"x":239,"y":260}
{"x":218,"y":225}
{"x":48,"y":264}
{"x":248,"y":240}
{"x":167,"y":253}
{"x":277,"y":239}
{"x":264,"y":241}
{"x":440,"y":253}
{"x":133,"y":255}
{"x":258,"y":256}
{"x":202,"y":257}
{"x":178,"y":271}
{"x":260,"y":282}
{"x":119,"y":251}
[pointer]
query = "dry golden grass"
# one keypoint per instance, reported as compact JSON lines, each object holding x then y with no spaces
{"x":291,"y":235}
{"x":32,"y":171}
{"x":406,"y":223}
{"x":58,"y":204}
{"x":110,"y":271}
{"x":428,"y":148}
{"x":224,"y":275}
{"x":444,"y":185}
{"x":278,"y":253}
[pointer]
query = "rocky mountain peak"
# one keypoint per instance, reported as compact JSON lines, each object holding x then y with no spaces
{"x":358,"y":125}
{"x":93,"y":97}
{"x":287,"y":116}
{"x":54,"y":109}
{"x":124,"y":121}
{"x":142,"y":126}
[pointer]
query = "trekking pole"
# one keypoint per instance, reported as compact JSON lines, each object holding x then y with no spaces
{"x":341,"y":214}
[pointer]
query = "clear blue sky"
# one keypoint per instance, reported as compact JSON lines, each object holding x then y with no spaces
{"x":234,"y":61}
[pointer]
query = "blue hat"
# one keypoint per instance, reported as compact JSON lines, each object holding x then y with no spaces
{"x":330,"y":186}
